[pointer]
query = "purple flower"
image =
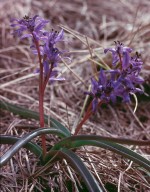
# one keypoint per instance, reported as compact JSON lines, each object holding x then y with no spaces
{"x":50,"y":39}
{"x":51,"y":54}
{"x":118,"y":82}
{"x":124,"y":87}
{"x":102,"y":90}
{"x":43,"y":43}
{"x":136,"y":64}
{"x":33,"y":26}
{"x":115,"y":83}
{"x":120,"y":53}
{"x":53,"y":37}
{"x":51,"y":60}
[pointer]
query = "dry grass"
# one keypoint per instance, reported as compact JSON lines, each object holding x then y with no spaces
{"x":89,"y":25}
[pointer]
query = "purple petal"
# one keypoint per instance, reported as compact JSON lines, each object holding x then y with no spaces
{"x":109,"y":49}
{"x":94,"y":85}
{"x":113,"y":98}
{"x":26,"y":36}
{"x":57,"y":79}
{"x":115,"y":58}
{"x":60,"y":36}
{"x":46,"y":67}
{"x":137,"y":90}
{"x":41,"y":25}
{"x":126,"y":97}
{"x":127,"y":49}
{"x":126,"y":59}
{"x":94,"y":104}
{"x":102,"y":78}
{"x":136,"y":80}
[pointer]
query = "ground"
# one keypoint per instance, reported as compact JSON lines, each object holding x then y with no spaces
{"x":88,"y":25}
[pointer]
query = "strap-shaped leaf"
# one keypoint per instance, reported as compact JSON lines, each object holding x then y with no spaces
{"x":112,"y":139}
{"x":11,"y":140}
{"x":26,"y":113}
{"x":78,"y":141}
{"x":25,"y":139}
{"x":79,"y":166}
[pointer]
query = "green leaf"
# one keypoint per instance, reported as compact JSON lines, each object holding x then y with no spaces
{"x":25,"y":139}
{"x":112,"y":139}
{"x":26,"y":113}
{"x":78,"y":141}
{"x":79,"y":166}
{"x":10,"y":140}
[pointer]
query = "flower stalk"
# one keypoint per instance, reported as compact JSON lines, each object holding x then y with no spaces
{"x":44,"y":46}
{"x":87,"y":115}
{"x":41,"y":96}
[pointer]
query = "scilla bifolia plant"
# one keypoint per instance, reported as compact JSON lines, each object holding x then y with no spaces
{"x":44,"y":45}
{"x":120,"y":81}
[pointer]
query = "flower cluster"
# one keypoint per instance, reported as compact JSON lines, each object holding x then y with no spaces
{"x":33,"y":26}
{"x":43,"y":42}
{"x":120,"y":81}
